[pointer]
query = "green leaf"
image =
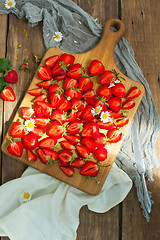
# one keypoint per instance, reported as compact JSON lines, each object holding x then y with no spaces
{"x":2,"y":83}
{"x":4,"y":64}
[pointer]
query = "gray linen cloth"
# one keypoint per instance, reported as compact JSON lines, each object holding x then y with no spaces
{"x":80,"y":33}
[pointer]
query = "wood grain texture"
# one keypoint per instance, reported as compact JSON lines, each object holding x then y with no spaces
{"x":142,"y":23}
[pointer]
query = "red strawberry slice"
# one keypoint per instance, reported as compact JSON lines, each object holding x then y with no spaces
{"x":70,"y":83}
{"x":67,"y":58}
{"x":78,"y":163}
{"x":121,"y":122}
{"x":58,"y":115}
{"x":87,"y":113}
{"x":65,"y":106}
{"x":38,"y":131}
{"x":41,"y":122}
{"x":8,"y":95}
{"x":109,"y":125}
{"x":108,"y":77}
{"x":17,"y":130}
{"x":83,"y":151}
{"x":31,"y":156}
{"x":101,"y":154}
{"x":89,"y":94}
{"x":48,"y":143}
{"x":67,"y":145}
{"x":100,"y":140}
{"x":15,"y":148}
{"x":60,"y":77}
{"x":77,"y":104}
{"x":65,"y":157}
{"x":114,"y":104}
{"x":68,"y":171}
{"x":89,"y":101}
{"x":55,"y":130}
{"x":104,"y":92}
{"x":90,"y":129}
{"x":72,"y":116}
{"x":50,"y":62}
{"x":44,"y":73}
{"x":119,"y":90}
{"x":95,"y":68}
{"x":11,"y":76}
{"x":89,"y":143}
{"x":90,"y":169}
{"x":47,"y":156}
{"x":27,"y":113}
{"x":39,"y":111}
{"x":76,"y":71}
{"x":35,"y":91}
{"x":59,"y":69}
{"x":45,"y":84}
{"x":74,"y":127}
{"x":100,"y":103}
{"x":114,"y":135}
{"x":85,"y":84}
{"x":115,"y":115}
{"x":72,"y":138}
{"x":47,"y":108}
{"x":134,"y":92}
{"x":40,"y":98}
{"x":30,"y":141}
{"x":128,"y":104}
{"x":73,"y":93}
{"x":56,"y":99}
{"x":54,"y":88}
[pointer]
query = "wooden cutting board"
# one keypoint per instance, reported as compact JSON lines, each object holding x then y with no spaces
{"x":104,"y":51}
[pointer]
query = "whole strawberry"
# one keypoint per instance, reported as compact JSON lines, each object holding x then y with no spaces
{"x":11,"y":76}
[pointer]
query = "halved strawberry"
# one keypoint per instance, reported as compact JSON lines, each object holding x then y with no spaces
{"x":74,"y":127}
{"x":40,"y":98}
{"x":44,"y":73}
{"x":48,"y":143}
{"x":67,"y":145}
{"x":35,"y":91}
{"x":60,"y":77}
{"x":107,"y":126}
{"x":68,"y":171}
{"x":90,"y":129}
{"x":78,"y":163}
{"x":58,"y":115}
{"x":65,"y":157}
{"x":85,"y":84}
{"x":101,"y":154}
{"x":134,"y":92}
{"x":77,"y":104}
{"x":8,"y":95}
{"x":27,"y":113}
{"x":90,"y":169}
{"x":59,"y":69}
{"x":128,"y":104}
{"x":108,"y":77}
{"x":114,"y":135}
{"x":67,"y":58}
{"x":70,"y":83}
{"x":89,"y":94}
{"x":41,"y":122}
{"x":39,"y":111}
{"x":89,"y":143}
{"x":51,"y":61}
{"x":56,"y":99}
{"x":83,"y":151}
{"x":87,"y":113}
{"x":119,"y":90}
{"x":121,"y":122}
{"x":15,"y":148}
{"x":47,"y":156}
{"x":76,"y":71}
{"x":47,"y":108}
{"x":38,"y":131}
{"x":115,"y":115}
{"x":72,"y":138}
{"x":31,"y":156}
{"x":100,"y":140}
{"x":73,"y":93}
{"x":72,"y":116}
{"x":65,"y":106}
{"x":30,"y":141}
{"x":55,"y":88}
{"x":45,"y":84}
{"x":89,"y":101}
{"x":17,"y":130}
{"x":114,"y":104}
{"x":55,"y":130}
{"x":95,"y":68}
{"x":104,"y":92}
{"x":100,"y":103}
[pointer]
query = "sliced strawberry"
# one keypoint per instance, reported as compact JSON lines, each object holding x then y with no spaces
{"x":90,"y":129}
{"x":47,"y":156}
{"x":83,"y":151}
{"x":58,"y":115}
{"x":70,"y":83}
{"x":95,"y":68}
{"x":134,"y":92}
{"x":89,"y":101}
{"x":68,"y":171}
{"x":35,"y":91}
{"x":107,"y":126}
{"x":104,"y":92}
{"x":89,"y":143}
{"x":119,"y":90}
{"x":40,"y":98}
{"x":100,"y":140}
{"x":60,"y":77}
{"x":59,"y":69}
{"x":45,"y":84}
{"x":50,"y":62}
{"x":101,"y":154}
{"x":78,"y":163}
{"x":42,"y":156}
{"x":48,"y":143}
{"x":67,"y":145}
{"x":76,"y":71}
{"x":47,"y":108}
{"x":114,"y":135}
{"x":115,"y":115}
{"x":74,"y":127}
{"x":55,"y":130}
{"x":31,"y":156}
{"x":67,"y":58}
{"x":89,"y":94}
{"x":85,"y":84}
{"x":114,"y":104}
{"x":65,"y":157}
{"x":72,"y":138}
{"x":38,"y":131}
{"x":30,"y":141}
{"x":121,"y":122}
{"x":72,"y":116}
{"x":128,"y":104}
{"x":108,"y":77}
{"x":27,"y":113}
{"x":87,"y":113}
{"x":90,"y":169}
{"x":65,"y":106}
{"x":15,"y":148}
{"x":44,"y":73}
{"x":39,"y":111}
{"x":77,"y":104}
{"x":17,"y":130}
{"x":55,"y":88}
{"x":100,"y":103}
{"x":8,"y":95}
{"x":56,"y":99}
{"x":41,"y":122}
{"x":73,"y":93}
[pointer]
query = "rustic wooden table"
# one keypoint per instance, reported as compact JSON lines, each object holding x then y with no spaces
{"x":141,"y":18}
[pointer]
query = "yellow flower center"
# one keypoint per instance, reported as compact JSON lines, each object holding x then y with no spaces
{"x":26,"y":195}
{"x":97,"y":110}
{"x":57,"y":36}
{"x":105,"y":116}
{"x":10,"y":4}
{"x":30,"y":124}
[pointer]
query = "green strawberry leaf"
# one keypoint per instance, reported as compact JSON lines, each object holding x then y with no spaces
{"x":2,"y":83}
{"x":4,"y":64}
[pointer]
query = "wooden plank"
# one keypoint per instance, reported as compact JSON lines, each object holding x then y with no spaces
{"x":142,"y":23}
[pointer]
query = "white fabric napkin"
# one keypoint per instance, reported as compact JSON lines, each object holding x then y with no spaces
{"x":52,"y":210}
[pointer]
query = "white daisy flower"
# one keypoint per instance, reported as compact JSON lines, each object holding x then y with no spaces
{"x":29,"y":124}
{"x":10,"y":4}
{"x":58,"y":36}
{"x":105,"y":116}
{"x":117,"y":81}
{"x":25,"y":197}
{"x":96,"y":111}
{"x":111,"y":85}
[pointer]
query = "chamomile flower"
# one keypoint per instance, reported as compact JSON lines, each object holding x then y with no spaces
{"x":96,"y":111}
{"x":10,"y":4}
{"x":25,"y":197}
{"x":58,"y":36}
{"x":29,"y":124}
{"x":105,"y":116}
